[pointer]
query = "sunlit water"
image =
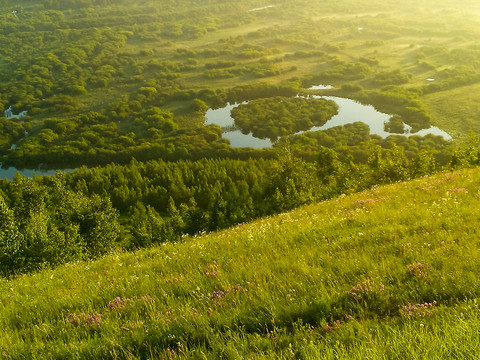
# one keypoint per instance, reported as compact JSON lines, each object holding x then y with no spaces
{"x":349,"y":112}
{"x":321,"y":87}
{"x":223,"y":118}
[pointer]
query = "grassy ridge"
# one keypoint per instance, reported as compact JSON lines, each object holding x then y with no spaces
{"x":391,"y":272}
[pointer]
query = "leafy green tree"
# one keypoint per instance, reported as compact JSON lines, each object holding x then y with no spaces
{"x":467,"y":155}
{"x":328,"y":164}
{"x":292,"y":182}
{"x":148,"y":227}
{"x":46,"y":245}
{"x":199,"y":106}
{"x":176,"y":223}
{"x":96,"y":220}
{"x":423,"y":164}
{"x":11,"y":240}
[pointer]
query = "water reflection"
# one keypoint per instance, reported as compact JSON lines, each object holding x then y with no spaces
{"x":349,"y":112}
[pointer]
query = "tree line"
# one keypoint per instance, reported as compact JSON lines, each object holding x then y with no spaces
{"x":49,"y":220}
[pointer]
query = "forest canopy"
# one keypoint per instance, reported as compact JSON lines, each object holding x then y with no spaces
{"x":121,"y":80}
{"x":279,"y":116}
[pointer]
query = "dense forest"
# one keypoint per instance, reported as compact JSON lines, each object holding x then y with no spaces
{"x":49,"y":220}
{"x":280,"y":116}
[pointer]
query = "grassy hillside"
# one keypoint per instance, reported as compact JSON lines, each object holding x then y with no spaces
{"x":391,"y":272}
{"x":455,"y":110}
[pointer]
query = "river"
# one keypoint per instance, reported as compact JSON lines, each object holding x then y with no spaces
{"x":349,"y":112}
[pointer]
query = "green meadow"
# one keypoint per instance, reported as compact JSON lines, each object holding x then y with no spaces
{"x":457,"y":110}
{"x":390,"y":272}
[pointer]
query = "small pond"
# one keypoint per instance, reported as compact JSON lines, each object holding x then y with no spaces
{"x":349,"y":112}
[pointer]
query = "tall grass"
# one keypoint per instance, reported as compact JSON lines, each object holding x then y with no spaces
{"x":386,"y":273}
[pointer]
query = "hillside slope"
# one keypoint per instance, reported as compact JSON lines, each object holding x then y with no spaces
{"x":387,"y":273}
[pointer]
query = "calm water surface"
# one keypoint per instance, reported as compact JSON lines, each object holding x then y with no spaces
{"x":349,"y":112}
{"x":10,"y":172}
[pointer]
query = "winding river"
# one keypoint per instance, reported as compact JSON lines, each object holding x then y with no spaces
{"x":349,"y":112}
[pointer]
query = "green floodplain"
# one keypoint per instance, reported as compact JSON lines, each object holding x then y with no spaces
{"x":105,"y":81}
{"x":166,"y":240}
